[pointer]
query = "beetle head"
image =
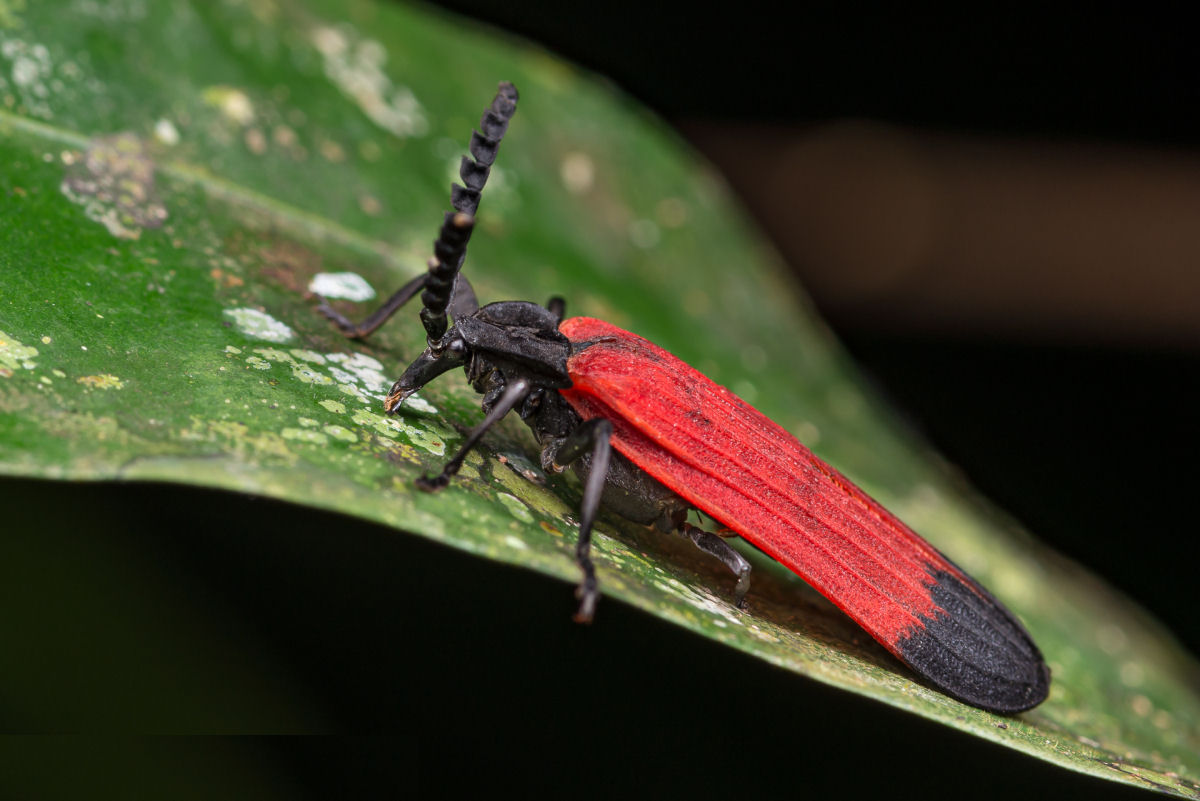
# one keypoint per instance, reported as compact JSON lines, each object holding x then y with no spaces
{"x":511,"y":338}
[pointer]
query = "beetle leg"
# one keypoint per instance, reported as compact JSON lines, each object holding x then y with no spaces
{"x":462,"y":304}
{"x":712,"y":544}
{"x":557,"y":307}
{"x":513,"y":395}
{"x":594,"y":435}
{"x":364,"y":329}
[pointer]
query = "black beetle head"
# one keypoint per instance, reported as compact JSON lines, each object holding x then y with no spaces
{"x":515,"y":337}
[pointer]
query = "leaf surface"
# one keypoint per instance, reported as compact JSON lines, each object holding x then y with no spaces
{"x":178,"y":175}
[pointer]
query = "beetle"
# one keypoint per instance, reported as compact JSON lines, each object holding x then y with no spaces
{"x":652,"y":438}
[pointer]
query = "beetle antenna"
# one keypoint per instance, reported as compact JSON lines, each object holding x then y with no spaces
{"x":450,"y":249}
{"x":485,"y":143}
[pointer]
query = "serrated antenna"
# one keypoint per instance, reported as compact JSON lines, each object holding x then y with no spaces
{"x":450,"y":248}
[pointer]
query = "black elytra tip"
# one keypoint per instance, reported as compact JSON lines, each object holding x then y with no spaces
{"x":977,"y":651}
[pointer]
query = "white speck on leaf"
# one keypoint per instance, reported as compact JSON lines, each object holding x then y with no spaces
{"x":577,"y":172}
{"x":166,"y":132}
{"x":234,"y":104}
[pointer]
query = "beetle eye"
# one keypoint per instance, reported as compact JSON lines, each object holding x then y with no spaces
{"x":457,"y":347}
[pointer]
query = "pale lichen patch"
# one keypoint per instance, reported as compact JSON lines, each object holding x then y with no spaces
{"x":256,"y":141}
{"x":14,"y":355}
{"x":31,"y":73}
{"x":703,"y":600}
{"x":345,"y":285}
{"x":343,"y":434}
{"x":347,"y":379}
{"x":430,"y":441}
{"x":331,"y":151}
{"x":309,"y":375}
{"x":354,"y":392}
{"x":304,"y":435}
{"x":361,"y":367}
{"x":516,"y":543}
{"x":355,"y":66}
{"x":166,"y":132}
{"x":577,"y":172}
{"x":112,"y":11}
{"x":234,"y":104}
{"x":370,"y":205}
{"x":260,"y":325}
{"x":274,"y":355}
{"x":101,"y":381}
{"x":337,"y":407}
{"x":307,"y":356}
{"x":416,"y":403}
{"x":114,"y":183}
{"x":384,"y":425}
{"x":238,"y":439}
{"x":517,"y":509}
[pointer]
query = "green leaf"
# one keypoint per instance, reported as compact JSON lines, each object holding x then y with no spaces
{"x":165,"y":208}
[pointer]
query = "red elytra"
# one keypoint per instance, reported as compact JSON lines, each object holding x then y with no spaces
{"x":746,"y":472}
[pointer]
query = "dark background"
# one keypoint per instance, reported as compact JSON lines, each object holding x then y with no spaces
{"x":495,"y":684}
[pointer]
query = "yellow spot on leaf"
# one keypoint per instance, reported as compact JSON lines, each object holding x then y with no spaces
{"x":101,"y":381}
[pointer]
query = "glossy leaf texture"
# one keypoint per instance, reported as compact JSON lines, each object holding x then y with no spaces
{"x":178,"y":175}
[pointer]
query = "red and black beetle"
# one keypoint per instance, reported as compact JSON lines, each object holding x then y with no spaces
{"x":652,"y":438}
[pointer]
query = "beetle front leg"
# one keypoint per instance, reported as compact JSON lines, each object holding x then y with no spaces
{"x":593,"y":436}
{"x":462,"y":303}
{"x":513,"y":394}
{"x":362,"y":330}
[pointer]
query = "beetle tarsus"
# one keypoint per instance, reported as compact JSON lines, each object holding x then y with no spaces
{"x":427,"y":484}
{"x":593,"y":436}
{"x":344,"y":324}
{"x":712,"y":544}
{"x":587,"y":593}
